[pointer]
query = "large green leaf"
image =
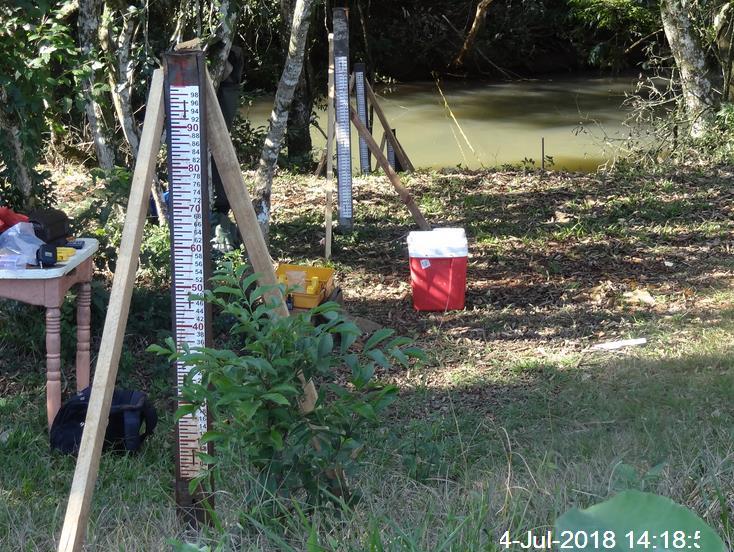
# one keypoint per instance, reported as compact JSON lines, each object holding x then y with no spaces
{"x":640,"y":513}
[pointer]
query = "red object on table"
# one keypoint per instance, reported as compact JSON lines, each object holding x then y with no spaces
{"x":8,"y":218}
{"x":438,"y":262}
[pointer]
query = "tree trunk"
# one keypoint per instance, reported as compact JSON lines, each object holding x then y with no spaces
{"x":365,"y":36}
{"x":121,"y":75}
{"x":279,"y":115}
{"x":120,"y":72}
{"x":89,"y":15}
{"x":479,"y":16}
{"x":724,"y":27}
{"x":21,"y":172}
{"x":698,"y":97}
{"x":298,"y":134}
{"x":298,"y":131}
{"x":224,"y":35}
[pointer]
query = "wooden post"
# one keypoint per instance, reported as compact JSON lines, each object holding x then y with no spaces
{"x":329,"y":153}
{"x":542,"y":153}
{"x":390,"y":154}
{"x":399,"y":151}
{"x":391,"y":174}
{"x":321,"y":164}
{"x":53,"y":363}
{"x":87,"y":465}
{"x":83,"y":335}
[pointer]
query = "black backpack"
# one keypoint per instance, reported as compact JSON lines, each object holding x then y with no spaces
{"x":128,"y":412}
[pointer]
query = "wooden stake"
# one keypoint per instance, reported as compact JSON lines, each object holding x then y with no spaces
{"x":329,"y":153}
{"x":391,"y":174}
{"x":239,"y":200}
{"x":87,"y":465}
{"x":321,"y":164}
{"x":399,"y":151}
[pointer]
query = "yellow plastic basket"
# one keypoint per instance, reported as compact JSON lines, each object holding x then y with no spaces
{"x":294,"y":275}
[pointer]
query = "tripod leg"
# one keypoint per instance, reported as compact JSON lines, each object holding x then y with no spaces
{"x":87,"y":465}
{"x":391,"y":174}
{"x":239,"y":199}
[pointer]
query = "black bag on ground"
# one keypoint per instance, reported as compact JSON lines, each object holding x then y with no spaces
{"x":128,"y":412}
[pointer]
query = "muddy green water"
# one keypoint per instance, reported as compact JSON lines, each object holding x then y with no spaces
{"x":503,"y":123}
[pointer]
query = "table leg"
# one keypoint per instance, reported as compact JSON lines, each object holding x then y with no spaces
{"x":53,"y":363}
{"x":83,"y":320}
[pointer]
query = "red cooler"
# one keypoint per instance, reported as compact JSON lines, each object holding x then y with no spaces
{"x":438,"y":269}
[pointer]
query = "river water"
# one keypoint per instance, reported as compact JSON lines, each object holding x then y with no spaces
{"x":580,"y":120}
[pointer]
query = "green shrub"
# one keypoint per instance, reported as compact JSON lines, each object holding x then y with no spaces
{"x":251,"y":387}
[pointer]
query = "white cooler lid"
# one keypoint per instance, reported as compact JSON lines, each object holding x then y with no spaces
{"x":438,"y":243}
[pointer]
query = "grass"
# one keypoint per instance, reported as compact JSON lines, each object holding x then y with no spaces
{"x":514,"y":420}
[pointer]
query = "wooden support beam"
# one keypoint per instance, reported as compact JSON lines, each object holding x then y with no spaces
{"x":399,"y":151}
{"x":87,"y":465}
{"x":239,"y":200}
{"x":391,"y":174}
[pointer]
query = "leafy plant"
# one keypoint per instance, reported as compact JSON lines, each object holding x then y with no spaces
{"x":626,"y":477}
{"x":639,"y":521}
{"x":248,"y":141}
{"x":36,"y":48}
{"x":251,"y":386}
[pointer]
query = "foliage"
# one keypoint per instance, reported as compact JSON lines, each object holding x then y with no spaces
{"x":717,"y":144}
{"x":252,"y":389}
{"x":260,"y":28}
{"x":656,"y":522}
{"x":36,"y":48}
{"x":43,"y":192}
{"x":101,"y":215}
{"x":248,"y":141}
{"x":616,"y":25}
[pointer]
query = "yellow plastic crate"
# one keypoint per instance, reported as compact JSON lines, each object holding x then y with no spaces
{"x":298,"y":278}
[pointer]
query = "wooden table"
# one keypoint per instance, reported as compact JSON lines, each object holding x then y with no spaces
{"x":47,"y":287}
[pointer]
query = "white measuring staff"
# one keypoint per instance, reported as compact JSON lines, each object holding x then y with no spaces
{"x":188,"y":250}
{"x":364,"y":152}
{"x":343,"y":125}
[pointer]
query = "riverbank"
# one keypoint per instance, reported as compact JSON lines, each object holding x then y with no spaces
{"x":514,"y":418}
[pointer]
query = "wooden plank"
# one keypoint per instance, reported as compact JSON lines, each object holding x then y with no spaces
{"x":328,"y":222}
{"x":391,"y":174}
{"x":399,"y":151}
{"x":235,"y":187}
{"x":87,"y":465}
